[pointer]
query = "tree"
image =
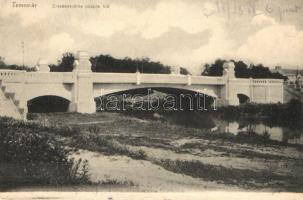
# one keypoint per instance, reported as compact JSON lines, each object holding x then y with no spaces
{"x":277,"y":75}
{"x":106,"y":63}
{"x":259,"y":71}
{"x":241,"y":69}
{"x":66,"y":64}
{"x":2,"y":63}
{"x":215,"y":69}
{"x":206,"y":70}
{"x":184,"y":71}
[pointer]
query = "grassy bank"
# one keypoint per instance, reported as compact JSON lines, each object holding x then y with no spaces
{"x":30,"y":155}
{"x":105,"y":144}
{"x":190,"y":153}
{"x":85,"y":127}
{"x":240,"y":177}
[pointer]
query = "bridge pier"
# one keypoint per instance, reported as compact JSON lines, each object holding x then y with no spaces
{"x":229,"y":91}
{"x":84,"y":90}
{"x":83,"y":97}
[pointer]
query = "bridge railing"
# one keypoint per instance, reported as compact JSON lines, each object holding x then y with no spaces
{"x":114,"y":77}
{"x":15,"y":76}
{"x":208,"y":80}
{"x":47,"y":77}
{"x":267,"y":81}
{"x":163,"y":79}
{"x":139,"y":78}
{"x":12,"y":75}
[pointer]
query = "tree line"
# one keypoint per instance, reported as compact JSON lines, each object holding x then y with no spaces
{"x":242,"y":70}
{"x":107,"y":63}
{"x":3,"y":65}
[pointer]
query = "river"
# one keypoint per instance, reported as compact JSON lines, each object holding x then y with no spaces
{"x":279,"y":133}
{"x":217,"y":124}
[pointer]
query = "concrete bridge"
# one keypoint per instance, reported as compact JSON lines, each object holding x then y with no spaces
{"x":82,"y":86}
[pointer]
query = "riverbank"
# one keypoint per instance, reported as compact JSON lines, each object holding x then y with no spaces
{"x":157,"y":155}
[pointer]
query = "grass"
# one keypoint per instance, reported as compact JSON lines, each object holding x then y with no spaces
{"x":220,"y":174}
{"x":30,"y":153}
{"x":116,"y":182}
{"x":232,"y":152}
{"x":105,"y":144}
{"x":126,"y":128}
{"x":49,"y":134}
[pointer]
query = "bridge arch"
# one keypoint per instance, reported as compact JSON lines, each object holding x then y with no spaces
{"x":105,"y":89}
{"x":243,"y":98}
{"x":54,"y":89}
{"x":47,"y":104}
{"x":185,"y":98}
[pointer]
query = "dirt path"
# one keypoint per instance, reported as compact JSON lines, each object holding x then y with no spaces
{"x":145,"y":175}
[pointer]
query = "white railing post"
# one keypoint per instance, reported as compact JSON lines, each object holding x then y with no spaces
{"x":188,"y":79}
{"x":267,"y":91}
{"x":138,"y":82}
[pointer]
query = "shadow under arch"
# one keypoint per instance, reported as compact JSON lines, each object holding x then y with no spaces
{"x":243,"y":99}
{"x":186,"y":99}
{"x":47,"y":104}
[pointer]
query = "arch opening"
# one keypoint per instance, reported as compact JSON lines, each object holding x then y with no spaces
{"x":243,"y":99}
{"x":48,"y":104}
{"x":155,"y":98}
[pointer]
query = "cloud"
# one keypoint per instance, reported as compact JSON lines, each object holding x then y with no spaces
{"x":28,"y":16}
{"x":274,"y":44}
{"x":218,"y":45}
{"x":110,"y":21}
{"x":59,"y":44}
{"x":151,"y":22}
{"x":180,"y":32}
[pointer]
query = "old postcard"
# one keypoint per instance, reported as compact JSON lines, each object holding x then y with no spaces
{"x":151,"y":99}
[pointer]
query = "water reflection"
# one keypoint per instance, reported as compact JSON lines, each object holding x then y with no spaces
{"x":276,"y":132}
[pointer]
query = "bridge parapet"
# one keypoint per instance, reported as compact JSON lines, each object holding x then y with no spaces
{"x":267,"y":81}
{"x":164,"y":79}
{"x":53,"y":77}
{"x":13,"y":76}
{"x":156,"y":79}
{"x":114,"y":77}
{"x":200,"y":80}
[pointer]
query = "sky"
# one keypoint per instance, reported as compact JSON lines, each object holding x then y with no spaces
{"x":186,"y":33}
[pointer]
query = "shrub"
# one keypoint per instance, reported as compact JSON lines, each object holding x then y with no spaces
{"x":29,"y":154}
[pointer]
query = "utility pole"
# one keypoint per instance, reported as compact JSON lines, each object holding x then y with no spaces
{"x":22,"y":45}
